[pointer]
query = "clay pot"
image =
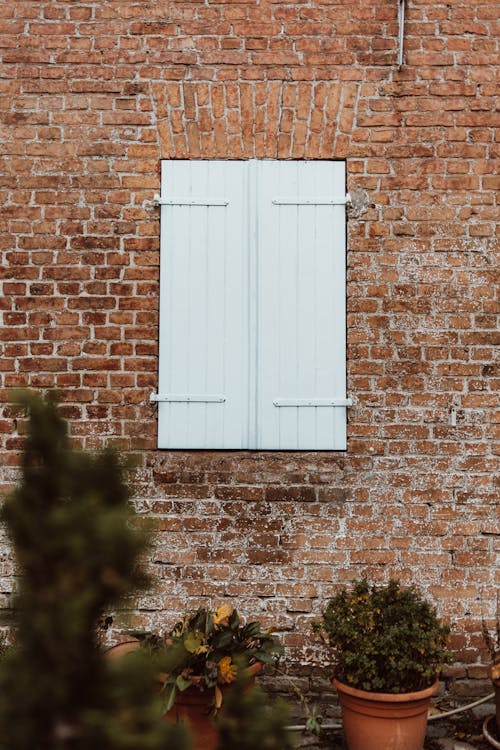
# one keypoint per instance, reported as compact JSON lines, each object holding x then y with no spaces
{"x":494,"y":672}
{"x":384,"y":721}
{"x":127,"y":647}
{"x":192,"y":706}
{"x":120,"y":649}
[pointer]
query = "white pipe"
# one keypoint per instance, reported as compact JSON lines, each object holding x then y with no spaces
{"x":301,"y":727}
{"x":433,"y":717}
{"x":461,"y":708}
{"x":493,"y":742}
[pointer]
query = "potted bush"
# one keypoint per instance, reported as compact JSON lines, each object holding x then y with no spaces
{"x":493,"y":647}
{"x":199,"y":658}
{"x":389,"y":646}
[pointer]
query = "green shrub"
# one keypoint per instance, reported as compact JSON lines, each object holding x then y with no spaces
{"x":70,"y":523}
{"x":385,"y":639}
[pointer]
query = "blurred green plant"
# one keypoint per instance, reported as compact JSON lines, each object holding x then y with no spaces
{"x":250,"y":722}
{"x":77,"y":553}
{"x":70,"y":524}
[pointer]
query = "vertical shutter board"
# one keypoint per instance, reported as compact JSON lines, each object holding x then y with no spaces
{"x":252,"y":295}
{"x":203,"y":321}
{"x":188,"y":338}
{"x":270,"y":283}
{"x":331,"y":305}
{"x":236,"y":343}
{"x":198,"y":304}
{"x":212,"y":360}
{"x":332,"y":299}
{"x":268,"y":286}
{"x":285,"y":368}
{"x":278,"y":269}
{"x":339,"y":300}
{"x":173,"y":280}
{"x":301,"y":250}
{"x":310,"y":243}
{"x":291,"y":300}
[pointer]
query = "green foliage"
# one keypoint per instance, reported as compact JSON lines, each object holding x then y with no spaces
{"x":133,"y":719}
{"x":492,"y":642}
{"x":70,"y":524}
{"x":385,"y":638}
{"x":208,"y":649}
{"x":314,"y":719}
{"x":250,"y":722}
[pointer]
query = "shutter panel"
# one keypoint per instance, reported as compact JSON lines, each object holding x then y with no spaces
{"x":252,"y":305}
{"x":203,"y":311}
{"x":301,"y":306}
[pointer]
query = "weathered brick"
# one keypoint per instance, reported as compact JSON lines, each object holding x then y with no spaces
{"x":93,"y":99}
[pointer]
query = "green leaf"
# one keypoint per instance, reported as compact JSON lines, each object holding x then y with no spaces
{"x":182,"y":683}
{"x":253,"y":628}
{"x":234,"y":620}
{"x":169,"y":700}
{"x":192,"y":641}
{"x":263,"y":657}
{"x":313,"y":724}
{"x":223,"y":639}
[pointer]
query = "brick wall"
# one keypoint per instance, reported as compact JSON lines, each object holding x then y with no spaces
{"x":94,"y":95}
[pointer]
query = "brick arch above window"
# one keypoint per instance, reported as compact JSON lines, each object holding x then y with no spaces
{"x":255,"y":119}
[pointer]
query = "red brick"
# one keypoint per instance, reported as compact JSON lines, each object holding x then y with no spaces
{"x":79,"y":278}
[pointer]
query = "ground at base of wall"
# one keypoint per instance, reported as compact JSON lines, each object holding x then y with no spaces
{"x":460,"y":732}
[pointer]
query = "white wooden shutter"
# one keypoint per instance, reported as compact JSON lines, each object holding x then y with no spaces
{"x":203,"y":371}
{"x":252,"y":305}
{"x":301,"y":305}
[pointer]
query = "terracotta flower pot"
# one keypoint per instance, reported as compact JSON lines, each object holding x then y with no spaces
{"x":193,"y":707}
{"x":384,"y":721}
{"x":120,"y":649}
{"x":494,"y":673}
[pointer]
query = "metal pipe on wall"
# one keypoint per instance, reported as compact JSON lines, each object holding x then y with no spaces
{"x":401,"y":20}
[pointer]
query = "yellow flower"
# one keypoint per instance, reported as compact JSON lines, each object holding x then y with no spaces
{"x":223,"y":614}
{"x":227,"y":671}
{"x":202,"y":649}
{"x":218,"y":697}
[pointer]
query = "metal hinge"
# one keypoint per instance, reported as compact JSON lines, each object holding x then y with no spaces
{"x":318,"y":201}
{"x":206,"y":398}
{"x":186,"y":201}
{"x":313,"y":402}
